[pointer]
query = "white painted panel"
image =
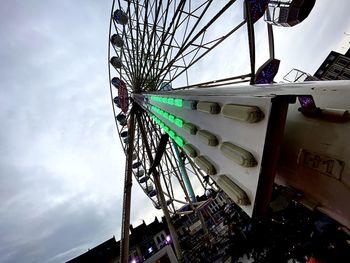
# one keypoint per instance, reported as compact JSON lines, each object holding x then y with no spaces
{"x":249,"y":136}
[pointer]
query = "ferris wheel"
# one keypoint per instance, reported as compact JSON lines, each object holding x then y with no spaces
{"x":157,"y":53}
{"x":153,"y":45}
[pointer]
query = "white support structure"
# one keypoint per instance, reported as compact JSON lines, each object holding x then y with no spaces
{"x":237,"y":135}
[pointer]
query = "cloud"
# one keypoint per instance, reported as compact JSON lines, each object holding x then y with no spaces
{"x":61,"y":177}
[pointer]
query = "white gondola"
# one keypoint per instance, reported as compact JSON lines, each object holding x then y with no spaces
{"x":288,"y":13}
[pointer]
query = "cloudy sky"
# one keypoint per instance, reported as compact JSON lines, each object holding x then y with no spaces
{"x":61,"y":168}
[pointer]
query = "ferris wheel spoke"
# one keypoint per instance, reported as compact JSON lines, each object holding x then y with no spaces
{"x":251,"y":40}
{"x":131,"y":33}
{"x":165,"y":175}
{"x":190,"y":42}
{"x":171,"y":193}
{"x":150,"y":142}
{"x":143,"y":34}
{"x":173,"y":75}
{"x":174,"y":172}
{"x":159,"y":38}
{"x":271,"y":41}
{"x":150,"y":36}
{"x":208,"y":49}
{"x":145,"y":164}
{"x":170,"y":44}
{"x":197,"y":16}
{"x":167,"y":172}
{"x":193,"y":171}
{"x":174,"y":20}
{"x":167,"y":38}
{"x":155,"y":172}
{"x":139,"y":37}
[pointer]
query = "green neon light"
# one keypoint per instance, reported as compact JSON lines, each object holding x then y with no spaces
{"x":171,"y":118}
{"x":179,"y":103}
{"x":179,"y":122}
{"x":179,"y":141}
{"x":171,"y":134}
{"x":171,"y":101}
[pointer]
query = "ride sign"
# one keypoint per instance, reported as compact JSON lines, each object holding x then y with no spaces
{"x":123,"y":96}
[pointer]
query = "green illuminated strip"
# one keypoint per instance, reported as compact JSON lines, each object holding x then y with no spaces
{"x":179,"y":122}
{"x":179,"y":141}
{"x":171,"y":134}
{"x":168,"y":100}
{"x":171,"y":118}
{"x":178,"y":103}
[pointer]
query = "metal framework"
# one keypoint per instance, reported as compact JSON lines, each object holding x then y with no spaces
{"x":159,"y":42}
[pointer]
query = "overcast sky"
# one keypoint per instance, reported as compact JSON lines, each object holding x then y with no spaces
{"x":61,"y":165}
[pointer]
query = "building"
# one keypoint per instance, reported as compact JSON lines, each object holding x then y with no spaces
{"x":108,"y":251}
{"x":210,"y":208}
{"x":147,"y":243}
{"x":152,"y":242}
{"x":145,"y":239}
{"x":335,"y":67}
